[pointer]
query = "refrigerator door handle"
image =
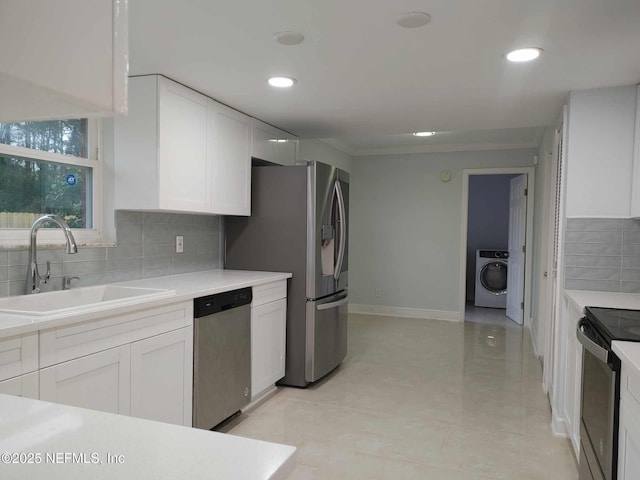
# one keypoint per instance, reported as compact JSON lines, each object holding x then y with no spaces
{"x":342,"y":221}
{"x":328,"y":306}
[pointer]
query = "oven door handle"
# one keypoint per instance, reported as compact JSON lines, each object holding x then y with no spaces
{"x":592,"y":347}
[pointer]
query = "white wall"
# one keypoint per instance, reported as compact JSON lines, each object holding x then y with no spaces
{"x":600,"y":151}
{"x":316,"y":150}
{"x":406,"y":228}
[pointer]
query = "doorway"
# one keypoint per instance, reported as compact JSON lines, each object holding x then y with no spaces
{"x":496,"y":233}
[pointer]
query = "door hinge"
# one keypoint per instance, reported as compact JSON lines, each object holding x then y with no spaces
{"x":526,"y":192}
{"x":521,"y":305}
{"x":524,"y":249}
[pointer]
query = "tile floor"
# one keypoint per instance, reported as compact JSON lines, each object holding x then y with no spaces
{"x":420,"y":399}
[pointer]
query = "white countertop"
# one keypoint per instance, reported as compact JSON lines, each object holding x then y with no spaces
{"x":186,"y":287}
{"x":628,"y":353}
{"x":148,"y":450}
{"x":584,"y":298}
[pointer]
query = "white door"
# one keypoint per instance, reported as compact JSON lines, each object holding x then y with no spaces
{"x":551,"y":313}
{"x":268,"y":345}
{"x":162,"y":377}
{"x":517,"y":232}
{"x":22,"y":386}
{"x":100,"y":381}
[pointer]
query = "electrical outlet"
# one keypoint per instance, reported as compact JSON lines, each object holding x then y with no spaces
{"x":179,"y":244}
{"x":378,"y":293}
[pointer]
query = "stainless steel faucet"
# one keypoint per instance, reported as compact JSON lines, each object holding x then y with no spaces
{"x":34,"y":279}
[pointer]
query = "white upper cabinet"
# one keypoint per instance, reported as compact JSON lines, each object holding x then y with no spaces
{"x":178,"y":150}
{"x":635,"y":186}
{"x":273,"y":145}
{"x":229,"y":133}
{"x":183,"y":165}
{"x":64,"y":59}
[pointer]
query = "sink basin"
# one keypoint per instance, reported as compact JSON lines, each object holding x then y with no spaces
{"x":78,"y":299}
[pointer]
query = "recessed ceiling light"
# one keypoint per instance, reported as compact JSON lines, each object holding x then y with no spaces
{"x":289,"y":38}
{"x":424,"y":134}
{"x":281,"y":82}
{"x":413,"y":19}
{"x":524,"y":54}
{"x":278,"y":140}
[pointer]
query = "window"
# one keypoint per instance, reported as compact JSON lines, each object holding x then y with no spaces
{"x":50,"y":167}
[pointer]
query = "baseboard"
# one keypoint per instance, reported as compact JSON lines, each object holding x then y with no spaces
{"x":558,"y":427}
{"x":405,"y":312}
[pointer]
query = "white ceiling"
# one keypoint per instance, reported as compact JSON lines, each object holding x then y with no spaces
{"x":364,"y":81}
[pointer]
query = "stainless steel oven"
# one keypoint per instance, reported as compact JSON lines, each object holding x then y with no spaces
{"x":599,"y":405}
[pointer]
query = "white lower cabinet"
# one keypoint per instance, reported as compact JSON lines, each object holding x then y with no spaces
{"x":18,"y":355}
{"x":567,"y":390}
{"x":100,"y":381}
{"x":268,"y":344}
{"x":162,"y":377}
{"x":573,"y":378}
{"x":629,"y":441}
{"x":22,"y":386}
{"x":139,"y":363}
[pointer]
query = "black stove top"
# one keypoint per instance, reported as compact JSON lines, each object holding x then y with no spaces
{"x":615,"y":323}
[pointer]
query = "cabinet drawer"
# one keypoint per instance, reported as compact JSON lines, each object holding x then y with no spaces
{"x":18,"y":355}
{"x":66,"y":343}
{"x":22,"y":386}
{"x":269,"y":292}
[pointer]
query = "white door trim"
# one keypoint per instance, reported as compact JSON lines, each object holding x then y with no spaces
{"x":466,"y":173}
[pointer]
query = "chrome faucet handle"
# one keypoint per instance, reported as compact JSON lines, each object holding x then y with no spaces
{"x":66,"y":282}
{"x":45,"y":279}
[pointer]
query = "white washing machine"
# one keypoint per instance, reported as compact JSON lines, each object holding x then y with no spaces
{"x":491,"y":278}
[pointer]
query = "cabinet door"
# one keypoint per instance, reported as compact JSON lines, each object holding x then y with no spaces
{"x":100,"y":381}
{"x":22,"y":386}
{"x":287,"y":149}
{"x":182,"y":155}
{"x":573,"y":375}
{"x":263,"y":141}
{"x":268,"y":343}
{"x":67,"y":59}
{"x":629,"y":441}
{"x":230,"y":160}
{"x":635,"y":185}
{"x":162,"y":377}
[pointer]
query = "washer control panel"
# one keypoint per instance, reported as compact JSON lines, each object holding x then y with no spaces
{"x":493,"y":253}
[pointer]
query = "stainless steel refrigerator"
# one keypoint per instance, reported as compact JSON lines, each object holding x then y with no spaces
{"x":299,"y":224}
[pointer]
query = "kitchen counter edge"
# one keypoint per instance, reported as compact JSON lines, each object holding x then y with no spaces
{"x":585,"y":298}
{"x":186,"y":286}
{"x":151,"y":449}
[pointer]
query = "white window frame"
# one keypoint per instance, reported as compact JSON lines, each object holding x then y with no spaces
{"x":19,"y":237}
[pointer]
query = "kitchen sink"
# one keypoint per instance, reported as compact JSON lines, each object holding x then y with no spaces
{"x":78,"y":300}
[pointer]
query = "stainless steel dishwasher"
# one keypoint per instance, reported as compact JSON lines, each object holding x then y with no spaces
{"x":221,"y":356}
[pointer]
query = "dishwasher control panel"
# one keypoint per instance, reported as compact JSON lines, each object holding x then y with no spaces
{"x":219,"y":302}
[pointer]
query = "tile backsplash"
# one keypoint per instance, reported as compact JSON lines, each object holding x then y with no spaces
{"x":602,"y":254}
{"x":145,"y":248}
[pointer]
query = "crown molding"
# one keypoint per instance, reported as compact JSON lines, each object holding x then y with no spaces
{"x":443,"y":148}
